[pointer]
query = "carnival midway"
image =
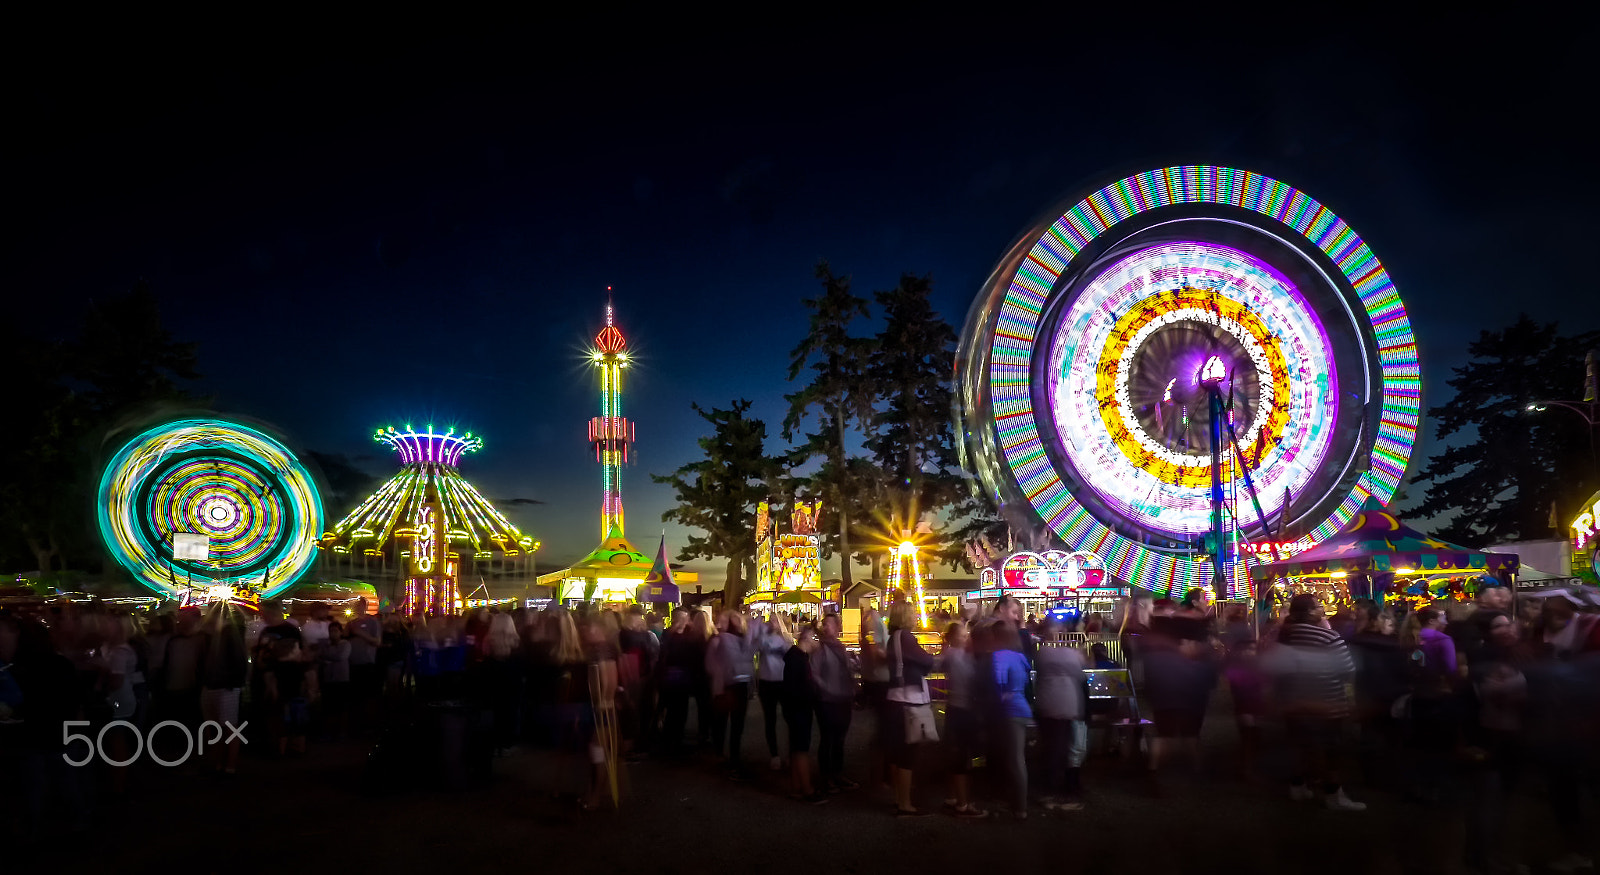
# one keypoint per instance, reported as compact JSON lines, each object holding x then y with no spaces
{"x":1190,"y":399}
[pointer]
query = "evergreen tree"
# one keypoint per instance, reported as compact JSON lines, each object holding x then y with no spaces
{"x":1502,"y":485}
{"x":912,"y":368}
{"x":838,"y":398}
{"x":81,"y":394}
{"x":718,"y":494}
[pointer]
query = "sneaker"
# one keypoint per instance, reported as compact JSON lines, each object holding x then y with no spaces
{"x":1571,"y":863}
{"x":776,"y":764}
{"x":1340,"y":802}
{"x":846,"y":784}
{"x":818,"y":799}
{"x":1301,"y":793}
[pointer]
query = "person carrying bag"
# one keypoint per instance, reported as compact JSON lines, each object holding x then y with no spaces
{"x":909,"y":715}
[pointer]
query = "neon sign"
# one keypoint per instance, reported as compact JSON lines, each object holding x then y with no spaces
{"x":422,"y":553}
{"x":238,"y":594}
{"x":1269,"y":548}
{"x":1050,"y":570}
{"x":1586,"y":524}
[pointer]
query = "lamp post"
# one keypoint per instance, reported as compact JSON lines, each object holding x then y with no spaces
{"x":1588,"y":408}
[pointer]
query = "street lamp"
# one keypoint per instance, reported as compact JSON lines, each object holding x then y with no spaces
{"x":1588,"y":408}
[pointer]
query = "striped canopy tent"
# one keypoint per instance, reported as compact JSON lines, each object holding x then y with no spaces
{"x":1377,"y":546}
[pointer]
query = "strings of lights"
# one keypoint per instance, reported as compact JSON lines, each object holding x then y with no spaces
{"x":610,"y":433}
{"x":426,"y":519}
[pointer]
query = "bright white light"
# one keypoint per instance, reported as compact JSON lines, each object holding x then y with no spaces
{"x":1167,"y":395}
{"x":219,"y":592}
{"x":1213,"y":371}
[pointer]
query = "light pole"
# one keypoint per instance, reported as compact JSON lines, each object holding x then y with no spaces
{"x":1588,"y":408}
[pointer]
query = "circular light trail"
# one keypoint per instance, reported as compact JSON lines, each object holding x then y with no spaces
{"x":243,"y":490}
{"x":1084,"y":367}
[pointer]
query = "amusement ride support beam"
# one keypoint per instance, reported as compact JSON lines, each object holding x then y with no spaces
{"x":1218,"y":551}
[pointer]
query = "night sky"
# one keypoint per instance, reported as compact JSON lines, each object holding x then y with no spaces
{"x":424,"y":232}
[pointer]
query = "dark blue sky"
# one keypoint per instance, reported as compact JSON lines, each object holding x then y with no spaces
{"x":424,"y":232}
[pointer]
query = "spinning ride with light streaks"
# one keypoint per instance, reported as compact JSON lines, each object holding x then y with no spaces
{"x":1089,"y":363}
{"x":424,"y":521}
{"x":239,"y":488}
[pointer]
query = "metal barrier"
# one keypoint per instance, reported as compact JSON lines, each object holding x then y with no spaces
{"x":1113,"y":644}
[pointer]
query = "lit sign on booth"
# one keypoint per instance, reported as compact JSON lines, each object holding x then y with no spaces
{"x":1583,"y":528}
{"x":1052,"y":569}
{"x":1270,"y":548}
{"x":239,"y":594}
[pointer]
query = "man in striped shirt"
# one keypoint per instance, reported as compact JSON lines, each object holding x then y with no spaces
{"x":1314,"y":668}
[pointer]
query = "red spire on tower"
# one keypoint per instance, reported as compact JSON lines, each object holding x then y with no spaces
{"x":610,"y":340}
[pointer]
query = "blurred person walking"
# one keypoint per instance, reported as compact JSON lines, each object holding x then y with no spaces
{"x":1060,"y":706}
{"x":333,"y":663}
{"x":772,"y":648}
{"x":503,"y":680}
{"x":908,"y":715}
{"x":365,"y":633}
{"x":1432,"y":712}
{"x":224,"y":666}
{"x":680,"y":652}
{"x":1312,"y":666}
{"x":963,"y":728}
{"x":799,"y":710}
{"x":1501,"y":694}
{"x":835,"y":685}
{"x":1010,"y":729}
{"x":730,"y":663}
{"x":701,"y":631}
{"x":636,"y":670}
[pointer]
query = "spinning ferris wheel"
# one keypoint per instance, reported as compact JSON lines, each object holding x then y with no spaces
{"x":1188,"y":350}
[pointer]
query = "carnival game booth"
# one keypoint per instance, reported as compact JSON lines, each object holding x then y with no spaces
{"x":789,"y":563}
{"x":1048,"y":581}
{"x":1378,"y":556}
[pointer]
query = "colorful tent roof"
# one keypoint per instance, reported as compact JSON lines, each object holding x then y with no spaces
{"x":1376,"y":542}
{"x":659,"y":585}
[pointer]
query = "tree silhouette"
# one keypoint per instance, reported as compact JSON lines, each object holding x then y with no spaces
{"x":912,"y":369}
{"x":718,"y":494}
{"x":1502,"y":485}
{"x":839,"y":397}
{"x":121,"y":363}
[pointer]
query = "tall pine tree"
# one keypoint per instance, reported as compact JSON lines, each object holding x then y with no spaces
{"x":838,"y":398}
{"x":1501,"y":486}
{"x":718,"y":494}
{"x":912,"y":369}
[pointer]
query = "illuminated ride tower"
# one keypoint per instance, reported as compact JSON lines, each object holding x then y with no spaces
{"x":610,"y":432}
{"x":614,"y":571}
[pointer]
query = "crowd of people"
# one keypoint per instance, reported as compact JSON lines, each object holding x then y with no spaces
{"x":1466,"y":703}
